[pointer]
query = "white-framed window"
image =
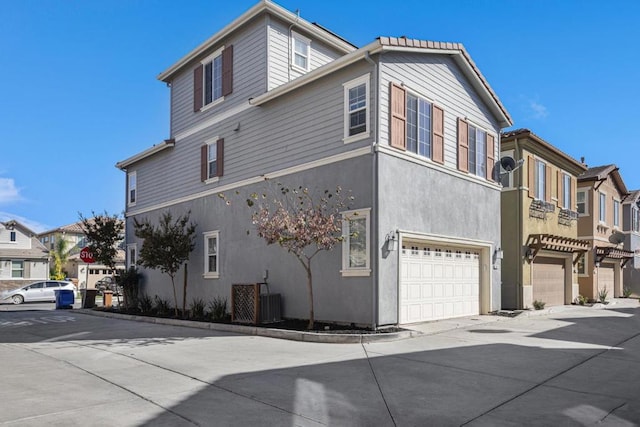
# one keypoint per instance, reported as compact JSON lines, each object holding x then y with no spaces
{"x":211,"y":254}
{"x":541,"y":180}
{"x":477,"y":140}
{"x":616,"y":213}
{"x":132,"y":255}
{"x":12,"y":236}
{"x":356,"y":243}
{"x":583,"y":202}
{"x":603,"y":208}
{"x":635,"y":219}
{"x":300,"y":51}
{"x":566,"y":191}
{"x":132,"y":183}
{"x":212,"y":77}
{"x":419,"y":125}
{"x":17,"y":269}
{"x":212,"y":159}
{"x":356,"y":109}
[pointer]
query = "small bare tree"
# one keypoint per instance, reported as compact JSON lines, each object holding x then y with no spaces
{"x":167,"y":247}
{"x":301,"y":222}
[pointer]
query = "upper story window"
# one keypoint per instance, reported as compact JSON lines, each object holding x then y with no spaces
{"x":583,"y":200}
{"x":356,"y":244}
{"x":540,"y":180}
{"x":132,"y":183}
{"x":476,"y":150}
{"x":356,"y":104}
{"x":12,"y":236}
{"x":417,"y":124}
{"x":212,"y":159}
{"x":616,"y":213}
{"x":603,"y":208}
{"x":213,"y":78}
{"x":301,"y":51}
{"x":566,"y":191}
{"x":635,"y":220}
{"x":211,"y":259}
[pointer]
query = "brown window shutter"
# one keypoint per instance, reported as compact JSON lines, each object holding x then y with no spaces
{"x":491,"y":157}
{"x":227,"y":70}
{"x":463,"y":145}
{"x":437,"y":134}
{"x":197,"y":88}
{"x":531,"y":170}
{"x":398,"y":131}
{"x":560,"y":189}
{"x":547,"y":183}
{"x":204,"y":162}
{"x":220,"y":157}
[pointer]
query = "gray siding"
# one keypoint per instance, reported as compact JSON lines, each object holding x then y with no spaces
{"x":249,"y":77}
{"x":279,"y":53}
{"x":300,"y":127}
{"x":243,"y":258}
{"x":439,"y":79}
{"x":420,"y":199}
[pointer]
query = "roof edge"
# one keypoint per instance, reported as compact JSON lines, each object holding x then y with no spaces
{"x":167,"y":143}
{"x":519,"y":133}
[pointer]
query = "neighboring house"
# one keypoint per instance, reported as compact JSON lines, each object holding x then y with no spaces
{"x":409,"y":126}
{"x":92,"y":273}
{"x":601,"y":192}
{"x":539,"y":223}
{"x":631,"y":229}
{"x":23,"y":258}
{"x":75,"y":267}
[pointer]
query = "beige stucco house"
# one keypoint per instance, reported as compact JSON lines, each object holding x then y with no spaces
{"x":540,"y":241}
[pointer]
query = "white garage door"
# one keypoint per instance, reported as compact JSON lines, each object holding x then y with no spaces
{"x":438,"y":282}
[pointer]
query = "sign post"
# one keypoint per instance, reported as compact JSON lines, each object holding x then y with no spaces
{"x":87,"y":256}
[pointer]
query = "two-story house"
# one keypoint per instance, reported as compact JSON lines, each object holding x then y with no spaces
{"x":631,"y":229}
{"x":72,"y":233}
{"x":23,"y":258}
{"x":410,"y":127}
{"x":539,"y":223}
{"x":601,"y":192}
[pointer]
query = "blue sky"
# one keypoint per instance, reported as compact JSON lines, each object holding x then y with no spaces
{"x":80,"y":91}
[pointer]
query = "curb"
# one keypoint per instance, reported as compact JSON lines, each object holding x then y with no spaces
{"x":322,"y":337}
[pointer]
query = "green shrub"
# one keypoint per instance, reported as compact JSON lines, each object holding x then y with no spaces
{"x":602,"y":295}
{"x":162,"y":306}
{"x":626,"y":292}
{"x":128,"y":281}
{"x":218,"y":309}
{"x":538,"y":305}
{"x":145,"y":303}
{"x":197,"y":309}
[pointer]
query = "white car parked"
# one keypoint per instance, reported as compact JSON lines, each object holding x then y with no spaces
{"x":38,"y":291}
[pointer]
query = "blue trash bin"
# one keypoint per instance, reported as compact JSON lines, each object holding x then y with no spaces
{"x":64,"y":299}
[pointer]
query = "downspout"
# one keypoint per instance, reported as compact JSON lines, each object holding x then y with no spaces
{"x":519,"y":185}
{"x":374,"y":198}
{"x":289,"y":56}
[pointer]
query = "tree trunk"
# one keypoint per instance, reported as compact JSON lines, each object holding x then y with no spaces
{"x":310,"y":292}
{"x":175,"y":297}
{"x":184,"y":292}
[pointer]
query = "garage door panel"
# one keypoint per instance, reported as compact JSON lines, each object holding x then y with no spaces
{"x":449,"y":281}
{"x":606,"y":278}
{"x":549,"y":280}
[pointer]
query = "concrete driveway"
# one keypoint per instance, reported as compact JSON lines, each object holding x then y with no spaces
{"x":578,"y":366}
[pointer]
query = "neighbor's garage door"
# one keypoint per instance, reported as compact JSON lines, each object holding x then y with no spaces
{"x":606,"y":279}
{"x":548,"y":281}
{"x":438,"y":282}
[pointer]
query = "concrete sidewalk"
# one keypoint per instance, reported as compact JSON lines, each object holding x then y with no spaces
{"x":575,"y":366}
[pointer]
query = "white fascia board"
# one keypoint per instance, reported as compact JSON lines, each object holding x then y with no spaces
{"x":264,"y":5}
{"x":144,"y":154}
{"x":314,"y":75}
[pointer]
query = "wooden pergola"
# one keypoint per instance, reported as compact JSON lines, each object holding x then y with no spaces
{"x":611,"y":252}
{"x":552,"y":242}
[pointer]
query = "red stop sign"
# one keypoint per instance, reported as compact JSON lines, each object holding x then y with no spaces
{"x":86,"y":255}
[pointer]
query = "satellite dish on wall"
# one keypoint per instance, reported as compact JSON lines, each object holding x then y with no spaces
{"x":509,"y":165}
{"x":616,"y":238}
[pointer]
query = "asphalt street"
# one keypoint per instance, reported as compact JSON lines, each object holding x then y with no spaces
{"x":576,"y":366}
